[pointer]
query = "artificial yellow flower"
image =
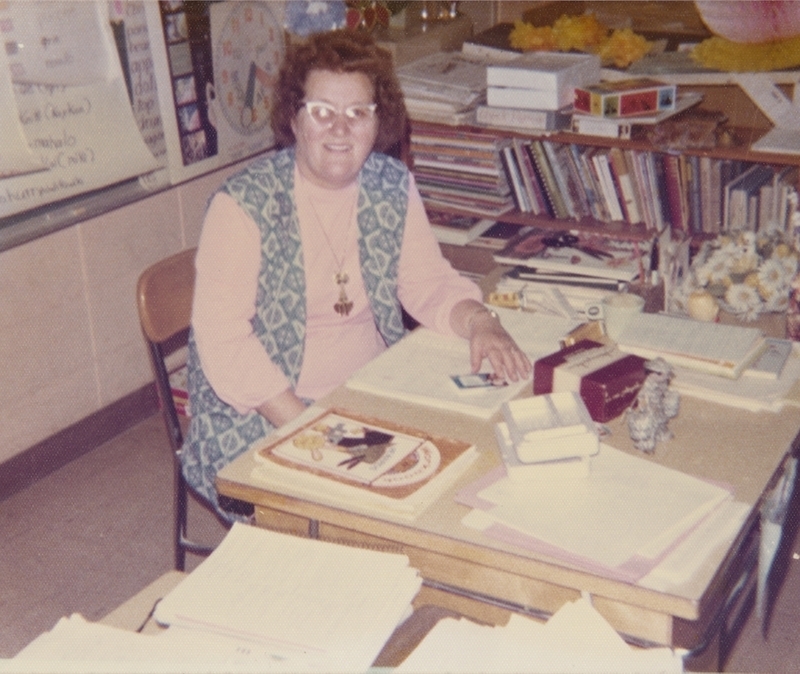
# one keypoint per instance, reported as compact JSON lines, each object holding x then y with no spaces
{"x":527,"y":37}
{"x":581,"y":33}
{"x":623,"y":48}
{"x":721,"y":54}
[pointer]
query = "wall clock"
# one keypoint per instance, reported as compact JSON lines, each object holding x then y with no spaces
{"x":247,"y":53}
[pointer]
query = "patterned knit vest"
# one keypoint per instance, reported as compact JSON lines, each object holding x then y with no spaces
{"x":265,"y":189}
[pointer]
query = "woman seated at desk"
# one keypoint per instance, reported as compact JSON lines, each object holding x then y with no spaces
{"x":307,"y":256}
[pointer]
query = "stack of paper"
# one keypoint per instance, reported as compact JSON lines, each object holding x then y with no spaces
{"x":622,"y":519}
{"x":575,"y":639}
{"x":443,"y":87}
{"x":318,"y":605}
{"x":419,"y":368}
{"x":261,"y":602}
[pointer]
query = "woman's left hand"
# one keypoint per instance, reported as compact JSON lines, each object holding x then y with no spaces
{"x":488,"y":339}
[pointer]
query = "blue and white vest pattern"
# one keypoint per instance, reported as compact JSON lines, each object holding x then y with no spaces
{"x":217,"y":432}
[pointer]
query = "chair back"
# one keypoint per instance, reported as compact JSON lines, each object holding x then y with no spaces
{"x":164,"y":296}
{"x":164,"y":300}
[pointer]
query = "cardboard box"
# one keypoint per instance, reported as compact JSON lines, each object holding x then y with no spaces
{"x":607,"y":379}
{"x":625,"y":98}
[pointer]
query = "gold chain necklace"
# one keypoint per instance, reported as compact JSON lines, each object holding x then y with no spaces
{"x":344,"y":305}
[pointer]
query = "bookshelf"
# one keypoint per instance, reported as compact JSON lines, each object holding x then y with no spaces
{"x":736,"y":148}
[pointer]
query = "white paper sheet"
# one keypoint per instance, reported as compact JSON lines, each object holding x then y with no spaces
{"x":319,"y":606}
{"x":627,"y":507}
{"x":575,"y":639}
{"x":418,"y":368}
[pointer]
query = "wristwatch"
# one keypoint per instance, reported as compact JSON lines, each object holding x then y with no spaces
{"x":481,"y":312}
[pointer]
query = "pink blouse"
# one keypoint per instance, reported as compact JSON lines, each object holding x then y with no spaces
{"x":228,"y":262}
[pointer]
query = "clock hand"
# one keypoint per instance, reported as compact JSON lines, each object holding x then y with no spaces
{"x":264,"y":77}
{"x":251,"y":86}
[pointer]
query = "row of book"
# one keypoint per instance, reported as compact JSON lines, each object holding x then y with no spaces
{"x":460,"y":169}
{"x":658,"y":190}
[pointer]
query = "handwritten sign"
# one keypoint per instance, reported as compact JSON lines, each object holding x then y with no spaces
{"x":86,"y":138}
{"x":82,"y":135}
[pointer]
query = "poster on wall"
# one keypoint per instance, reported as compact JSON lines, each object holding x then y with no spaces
{"x":216,"y":65}
{"x":71,"y":103}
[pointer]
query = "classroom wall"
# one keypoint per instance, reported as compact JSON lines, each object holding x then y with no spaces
{"x":71,"y":342}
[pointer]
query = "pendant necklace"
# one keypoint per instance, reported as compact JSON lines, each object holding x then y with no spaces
{"x":344,"y":305}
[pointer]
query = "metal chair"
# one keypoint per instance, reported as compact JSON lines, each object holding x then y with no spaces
{"x":164,"y":299}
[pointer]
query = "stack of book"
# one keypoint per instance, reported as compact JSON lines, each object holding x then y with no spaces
{"x":443,"y":87}
{"x":534,"y":91}
{"x":460,"y":170}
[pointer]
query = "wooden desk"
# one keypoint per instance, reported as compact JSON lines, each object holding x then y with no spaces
{"x":484,"y":578}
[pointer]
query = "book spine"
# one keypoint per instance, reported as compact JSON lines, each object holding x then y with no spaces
{"x":672,"y":182}
{"x":538,"y":179}
{"x":601,"y":126}
{"x":603,"y":167}
{"x":575,"y":182}
{"x":544,"y":169}
{"x":535,"y":99}
{"x":694,"y":194}
{"x":529,"y":178}
{"x":560,"y":178}
{"x":520,"y":118}
{"x":598,"y":203}
{"x":515,"y":179}
{"x":624,"y":183}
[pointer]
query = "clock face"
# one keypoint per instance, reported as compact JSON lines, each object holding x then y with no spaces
{"x":247,"y":55}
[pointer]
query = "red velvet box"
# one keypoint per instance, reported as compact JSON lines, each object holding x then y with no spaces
{"x":607,"y":379}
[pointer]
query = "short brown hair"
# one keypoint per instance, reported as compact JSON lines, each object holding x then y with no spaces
{"x":339,"y":51}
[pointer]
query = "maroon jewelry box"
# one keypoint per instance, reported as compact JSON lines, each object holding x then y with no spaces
{"x":606,"y":379}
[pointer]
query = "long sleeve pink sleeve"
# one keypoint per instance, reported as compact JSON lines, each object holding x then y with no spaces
{"x":429,"y":287}
{"x":228,"y":262}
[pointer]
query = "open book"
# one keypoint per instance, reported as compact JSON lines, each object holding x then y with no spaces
{"x":713,"y":348}
{"x":339,"y":458}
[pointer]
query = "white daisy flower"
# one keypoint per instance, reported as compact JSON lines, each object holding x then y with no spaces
{"x":716,"y":269}
{"x":743,"y":300}
{"x":772,"y":277}
{"x":778,"y":302}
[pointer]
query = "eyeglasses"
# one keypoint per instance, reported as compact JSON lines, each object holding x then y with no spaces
{"x":324,"y":114}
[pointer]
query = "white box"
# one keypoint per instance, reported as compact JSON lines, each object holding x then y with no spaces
{"x":550,"y":427}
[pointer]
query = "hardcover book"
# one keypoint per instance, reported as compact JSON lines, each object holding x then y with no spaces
{"x":527,"y":119}
{"x":625,"y":98}
{"x":369,"y":454}
{"x":545,"y":71}
{"x":527,"y":99}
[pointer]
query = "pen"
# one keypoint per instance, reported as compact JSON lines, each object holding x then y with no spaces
{"x":654,"y":263}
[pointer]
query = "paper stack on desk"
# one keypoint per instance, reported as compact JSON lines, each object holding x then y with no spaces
{"x":261,"y":602}
{"x":319,"y":606}
{"x":622,"y":519}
